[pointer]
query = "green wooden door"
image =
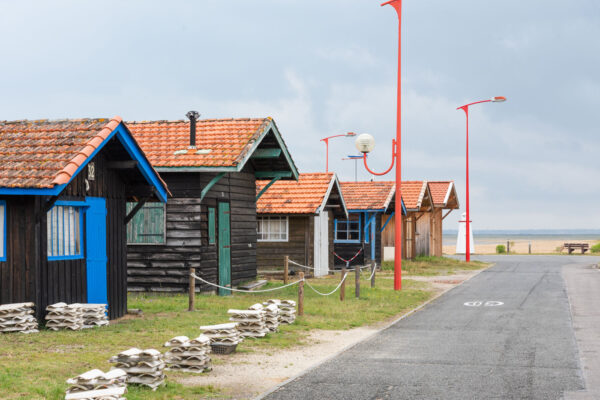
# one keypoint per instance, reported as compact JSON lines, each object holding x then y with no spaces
{"x":224,"y":249}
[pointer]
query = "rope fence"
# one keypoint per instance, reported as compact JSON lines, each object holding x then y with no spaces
{"x":330,"y":293}
{"x":246,"y":291}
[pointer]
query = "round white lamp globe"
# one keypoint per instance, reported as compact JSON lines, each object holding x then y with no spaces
{"x":365,"y":143}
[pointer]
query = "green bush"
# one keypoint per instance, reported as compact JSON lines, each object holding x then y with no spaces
{"x":595,"y":248}
{"x":501,"y":249}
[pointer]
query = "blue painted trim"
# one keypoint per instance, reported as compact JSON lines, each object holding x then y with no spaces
{"x":131,"y":147}
{"x":3,"y":258}
{"x":348,"y":241}
{"x":362,"y":211}
{"x":79,"y":204}
{"x":55,"y":191}
{"x":404,"y":212}
{"x":387,"y":222}
{"x":373,"y":237}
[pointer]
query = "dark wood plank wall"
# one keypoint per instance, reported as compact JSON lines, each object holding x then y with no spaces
{"x":164,"y":268}
{"x":348,"y":250}
{"x":270,"y":255}
{"x":18,"y":272}
{"x":29,"y":276}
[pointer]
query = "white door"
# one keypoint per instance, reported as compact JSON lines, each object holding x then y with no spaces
{"x":321,"y":244}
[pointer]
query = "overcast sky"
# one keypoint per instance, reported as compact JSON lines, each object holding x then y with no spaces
{"x":327,"y":67}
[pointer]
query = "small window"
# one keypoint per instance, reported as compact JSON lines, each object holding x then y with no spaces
{"x":348,"y":230}
{"x":148,"y":224}
{"x":272,"y":229}
{"x":2,"y":230}
{"x":64,"y":227}
{"x":211,"y":225}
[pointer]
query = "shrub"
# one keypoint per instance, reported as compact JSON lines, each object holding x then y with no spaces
{"x":501,"y":249}
{"x":595,"y":248}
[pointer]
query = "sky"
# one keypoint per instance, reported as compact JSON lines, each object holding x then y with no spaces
{"x":321,"y":68}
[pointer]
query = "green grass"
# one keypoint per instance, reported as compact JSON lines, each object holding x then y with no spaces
{"x":433,"y":266}
{"x":36,"y":366}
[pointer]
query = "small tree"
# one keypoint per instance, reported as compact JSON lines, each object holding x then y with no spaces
{"x":500,"y":249}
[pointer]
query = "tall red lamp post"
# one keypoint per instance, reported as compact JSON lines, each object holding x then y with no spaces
{"x":465,"y":108}
{"x":365,"y":143}
{"x":326,"y":140}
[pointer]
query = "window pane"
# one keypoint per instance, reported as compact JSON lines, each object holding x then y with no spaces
{"x":353,"y":235}
{"x":63,"y":231}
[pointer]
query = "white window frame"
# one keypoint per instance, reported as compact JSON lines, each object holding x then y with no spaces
{"x":269,"y":218}
{"x":59,"y":236}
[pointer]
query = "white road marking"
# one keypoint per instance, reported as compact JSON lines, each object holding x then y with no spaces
{"x":490,"y":303}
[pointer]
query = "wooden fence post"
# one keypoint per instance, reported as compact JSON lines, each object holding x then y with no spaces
{"x":286,"y":263}
{"x":192,"y":290}
{"x":343,"y":287}
{"x":529,"y":247}
{"x":373,"y":266}
{"x":507,"y":247}
{"x":301,"y":294}
{"x":357,"y":281}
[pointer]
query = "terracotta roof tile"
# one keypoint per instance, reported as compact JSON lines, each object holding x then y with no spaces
{"x":294,"y":197}
{"x":439,"y":192}
{"x":228,"y":140}
{"x":368,"y":195}
{"x":45,"y":153}
{"x":413,"y":193}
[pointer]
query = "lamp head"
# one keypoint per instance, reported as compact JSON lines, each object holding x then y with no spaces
{"x":365,"y":143}
{"x":498,"y":99}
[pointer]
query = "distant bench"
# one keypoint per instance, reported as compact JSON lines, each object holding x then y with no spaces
{"x":571,"y":247}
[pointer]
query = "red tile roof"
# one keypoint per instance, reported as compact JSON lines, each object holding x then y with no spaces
{"x":43,"y":154}
{"x":228,"y":141}
{"x":304,"y":196}
{"x":441,"y":192}
{"x":368,"y":195}
{"x":413,"y":193}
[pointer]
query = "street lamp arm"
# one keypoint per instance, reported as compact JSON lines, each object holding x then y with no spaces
{"x":391,"y":166}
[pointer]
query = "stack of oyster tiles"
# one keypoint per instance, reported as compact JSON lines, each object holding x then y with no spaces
{"x":64,"y":316}
{"x":18,"y":317}
{"x":250,"y":323}
{"x":94,"y":315}
{"x":222,"y":334}
{"x":189,"y":355}
{"x":96,"y":384}
{"x":143,"y":367}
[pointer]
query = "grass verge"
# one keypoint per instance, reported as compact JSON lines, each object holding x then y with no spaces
{"x":433,"y":266}
{"x":36,"y":366}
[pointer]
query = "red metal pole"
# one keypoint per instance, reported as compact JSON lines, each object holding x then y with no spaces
{"x":326,"y":155}
{"x":397,"y":4}
{"x":467,"y":223}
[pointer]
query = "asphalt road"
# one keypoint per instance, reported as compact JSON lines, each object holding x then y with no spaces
{"x":524,"y":348}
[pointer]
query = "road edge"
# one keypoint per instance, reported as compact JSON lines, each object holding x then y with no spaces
{"x":387,"y":326}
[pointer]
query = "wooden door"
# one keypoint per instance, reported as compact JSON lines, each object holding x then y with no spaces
{"x":224,"y":248}
{"x":321,"y":244}
{"x":95,"y":237}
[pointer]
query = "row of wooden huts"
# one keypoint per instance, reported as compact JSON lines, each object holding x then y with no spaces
{"x":93,"y":208}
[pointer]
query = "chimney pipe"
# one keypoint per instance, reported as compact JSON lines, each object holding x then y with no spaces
{"x":193,"y":116}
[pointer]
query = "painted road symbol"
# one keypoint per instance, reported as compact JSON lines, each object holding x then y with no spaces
{"x":485,"y":304}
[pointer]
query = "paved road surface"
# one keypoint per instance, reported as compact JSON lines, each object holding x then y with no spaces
{"x":523,"y":349}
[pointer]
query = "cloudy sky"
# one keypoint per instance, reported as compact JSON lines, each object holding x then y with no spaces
{"x":327,"y":67}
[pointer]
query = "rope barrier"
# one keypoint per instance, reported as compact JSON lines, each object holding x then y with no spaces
{"x":330,"y":293}
{"x":300,"y":265}
{"x":350,"y":260}
{"x":246,"y":291}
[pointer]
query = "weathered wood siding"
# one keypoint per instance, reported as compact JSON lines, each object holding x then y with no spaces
{"x":422,"y":237}
{"x":164,"y":267}
{"x":436,"y":233}
{"x":270,"y":255}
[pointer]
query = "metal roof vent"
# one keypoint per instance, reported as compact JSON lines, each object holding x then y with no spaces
{"x":193,"y":116}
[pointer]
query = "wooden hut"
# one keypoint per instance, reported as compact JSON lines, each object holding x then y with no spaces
{"x":63,"y":192}
{"x":211,"y":167}
{"x":296,"y":219}
{"x":444,"y":196}
{"x":371,"y":207}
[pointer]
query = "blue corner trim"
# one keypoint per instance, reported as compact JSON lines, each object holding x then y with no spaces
{"x":131,"y":147}
{"x":3,"y":244}
{"x":387,"y":221}
{"x":403,"y":207}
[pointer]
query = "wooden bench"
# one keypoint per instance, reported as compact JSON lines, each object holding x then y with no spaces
{"x":571,"y":247}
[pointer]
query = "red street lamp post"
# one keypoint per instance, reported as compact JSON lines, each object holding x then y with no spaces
{"x":465,"y":108}
{"x":365,"y":144}
{"x":326,"y":140}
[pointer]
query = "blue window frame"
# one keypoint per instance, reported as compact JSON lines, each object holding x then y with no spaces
{"x":2,"y":230}
{"x":64,"y":223}
{"x":348,"y":231}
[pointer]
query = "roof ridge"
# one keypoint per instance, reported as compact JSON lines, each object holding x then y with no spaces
{"x":200,"y":120}
{"x":48,"y":120}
